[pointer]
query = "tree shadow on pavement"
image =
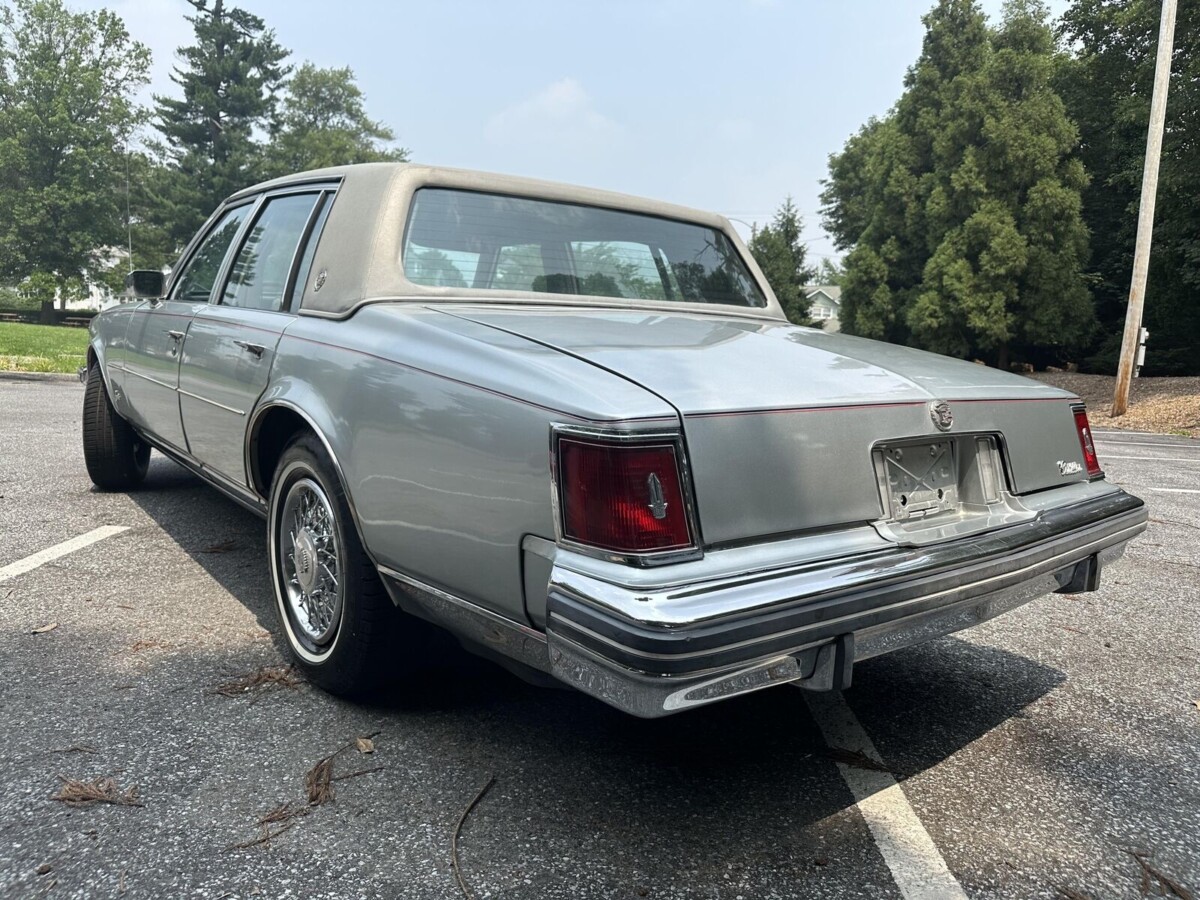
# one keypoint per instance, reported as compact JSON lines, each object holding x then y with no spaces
{"x":745,"y":784}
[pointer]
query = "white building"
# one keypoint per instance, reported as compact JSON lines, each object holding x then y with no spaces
{"x":825,"y":305}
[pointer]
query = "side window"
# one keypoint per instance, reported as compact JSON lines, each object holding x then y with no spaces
{"x":196,"y":283}
{"x":260,"y":272}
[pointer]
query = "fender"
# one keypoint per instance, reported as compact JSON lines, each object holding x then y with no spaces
{"x":298,"y":397}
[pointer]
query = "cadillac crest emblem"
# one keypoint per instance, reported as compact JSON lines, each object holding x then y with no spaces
{"x":943,"y":418}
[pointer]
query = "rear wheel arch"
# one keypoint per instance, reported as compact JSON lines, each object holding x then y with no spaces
{"x":272,"y":431}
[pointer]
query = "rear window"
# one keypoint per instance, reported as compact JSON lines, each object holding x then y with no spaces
{"x":495,"y":242}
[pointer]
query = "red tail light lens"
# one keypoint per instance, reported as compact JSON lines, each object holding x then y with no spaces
{"x":1085,"y":441}
{"x":622,"y":497}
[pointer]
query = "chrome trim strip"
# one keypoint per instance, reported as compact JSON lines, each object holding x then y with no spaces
{"x":231,"y":409}
{"x":491,"y":634}
{"x":470,"y":607}
{"x":213,"y":478}
{"x":162,"y":384}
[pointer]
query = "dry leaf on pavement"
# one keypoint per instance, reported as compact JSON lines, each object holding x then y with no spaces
{"x":43,"y":629}
{"x":365,"y":745}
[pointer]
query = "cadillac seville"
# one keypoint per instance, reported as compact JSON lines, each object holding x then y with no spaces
{"x":574,"y":430}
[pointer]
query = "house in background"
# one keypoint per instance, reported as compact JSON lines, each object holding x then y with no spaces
{"x":825,"y":303}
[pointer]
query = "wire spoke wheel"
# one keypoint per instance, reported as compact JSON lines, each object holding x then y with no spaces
{"x":310,"y":561}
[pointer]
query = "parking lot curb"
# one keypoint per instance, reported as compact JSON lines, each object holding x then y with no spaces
{"x":38,"y":376}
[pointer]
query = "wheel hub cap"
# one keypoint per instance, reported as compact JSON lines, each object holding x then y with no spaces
{"x":310,"y":559}
{"x":306,"y":561}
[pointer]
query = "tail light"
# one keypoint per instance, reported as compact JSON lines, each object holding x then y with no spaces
{"x":624,"y":497}
{"x":1085,"y":441}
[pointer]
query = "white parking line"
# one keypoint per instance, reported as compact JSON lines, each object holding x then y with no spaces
{"x":909,"y":851}
{"x":1171,"y":490}
{"x":1156,"y":458}
{"x":21,"y":566}
{"x":1170,"y":445}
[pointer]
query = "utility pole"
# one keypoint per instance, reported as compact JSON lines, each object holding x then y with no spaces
{"x":1145,"y":227}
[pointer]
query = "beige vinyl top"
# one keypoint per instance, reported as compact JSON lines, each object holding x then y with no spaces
{"x":360,"y":247}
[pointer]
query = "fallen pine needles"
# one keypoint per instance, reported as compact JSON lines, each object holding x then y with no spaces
{"x":855,"y":759}
{"x":318,"y":781}
{"x":454,"y":838}
{"x":222,"y":547}
{"x":262,"y":680}
{"x":103,"y":790}
{"x":264,"y":839}
{"x":1165,"y":884}
{"x":282,"y":813}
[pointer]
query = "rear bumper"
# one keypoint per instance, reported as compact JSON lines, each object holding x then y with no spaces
{"x":809,"y":623}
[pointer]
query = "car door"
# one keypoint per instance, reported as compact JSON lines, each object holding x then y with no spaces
{"x":157,"y":329}
{"x":231,"y":342}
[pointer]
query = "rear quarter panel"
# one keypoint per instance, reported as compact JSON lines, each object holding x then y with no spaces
{"x":443,"y":438}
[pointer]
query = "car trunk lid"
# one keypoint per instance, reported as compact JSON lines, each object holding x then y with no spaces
{"x":784,"y":424}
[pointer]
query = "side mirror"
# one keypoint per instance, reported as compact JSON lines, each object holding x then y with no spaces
{"x":145,"y":284}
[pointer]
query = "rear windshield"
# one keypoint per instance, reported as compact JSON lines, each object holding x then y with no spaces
{"x":464,"y":239}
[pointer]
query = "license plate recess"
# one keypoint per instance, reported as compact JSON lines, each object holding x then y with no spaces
{"x":917,"y":479}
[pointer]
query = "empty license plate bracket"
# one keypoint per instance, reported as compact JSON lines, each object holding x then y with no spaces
{"x":919,"y":479}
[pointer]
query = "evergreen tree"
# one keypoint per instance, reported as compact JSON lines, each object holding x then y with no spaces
{"x":323,"y":122}
{"x":67,"y":82}
{"x":962,"y":209}
{"x":229,"y":79}
{"x":783,"y":258}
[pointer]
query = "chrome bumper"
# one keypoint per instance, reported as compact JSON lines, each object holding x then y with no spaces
{"x":643,"y":652}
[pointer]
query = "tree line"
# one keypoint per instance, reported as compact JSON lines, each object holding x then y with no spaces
{"x":991,"y":213}
{"x":85,"y":168}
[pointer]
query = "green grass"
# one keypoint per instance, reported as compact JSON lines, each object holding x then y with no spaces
{"x":41,"y":348}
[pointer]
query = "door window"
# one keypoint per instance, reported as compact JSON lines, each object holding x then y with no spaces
{"x":260,"y":273}
{"x":196,"y":283}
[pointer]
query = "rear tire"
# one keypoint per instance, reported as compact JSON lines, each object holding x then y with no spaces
{"x":116,"y":457}
{"x":341,"y":626}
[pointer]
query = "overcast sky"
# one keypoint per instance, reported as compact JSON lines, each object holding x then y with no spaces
{"x":726,"y":105}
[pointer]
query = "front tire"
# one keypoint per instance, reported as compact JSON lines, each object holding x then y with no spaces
{"x":116,"y":457}
{"x":340,"y":624}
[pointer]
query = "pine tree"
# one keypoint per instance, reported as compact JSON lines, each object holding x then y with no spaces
{"x":782,"y":256}
{"x":961,"y":209}
{"x":229,"y":79}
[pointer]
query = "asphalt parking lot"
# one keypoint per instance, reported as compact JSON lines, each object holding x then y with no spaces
{"x":1035,"y":752}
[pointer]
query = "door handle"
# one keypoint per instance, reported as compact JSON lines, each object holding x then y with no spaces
{"x":256,"y":349}
{"x":176,"y":335}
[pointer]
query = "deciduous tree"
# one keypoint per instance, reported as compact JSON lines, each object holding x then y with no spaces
{"x":1107,"y":87}
{"x":323,"y":122}
{"x":67,"y":109}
